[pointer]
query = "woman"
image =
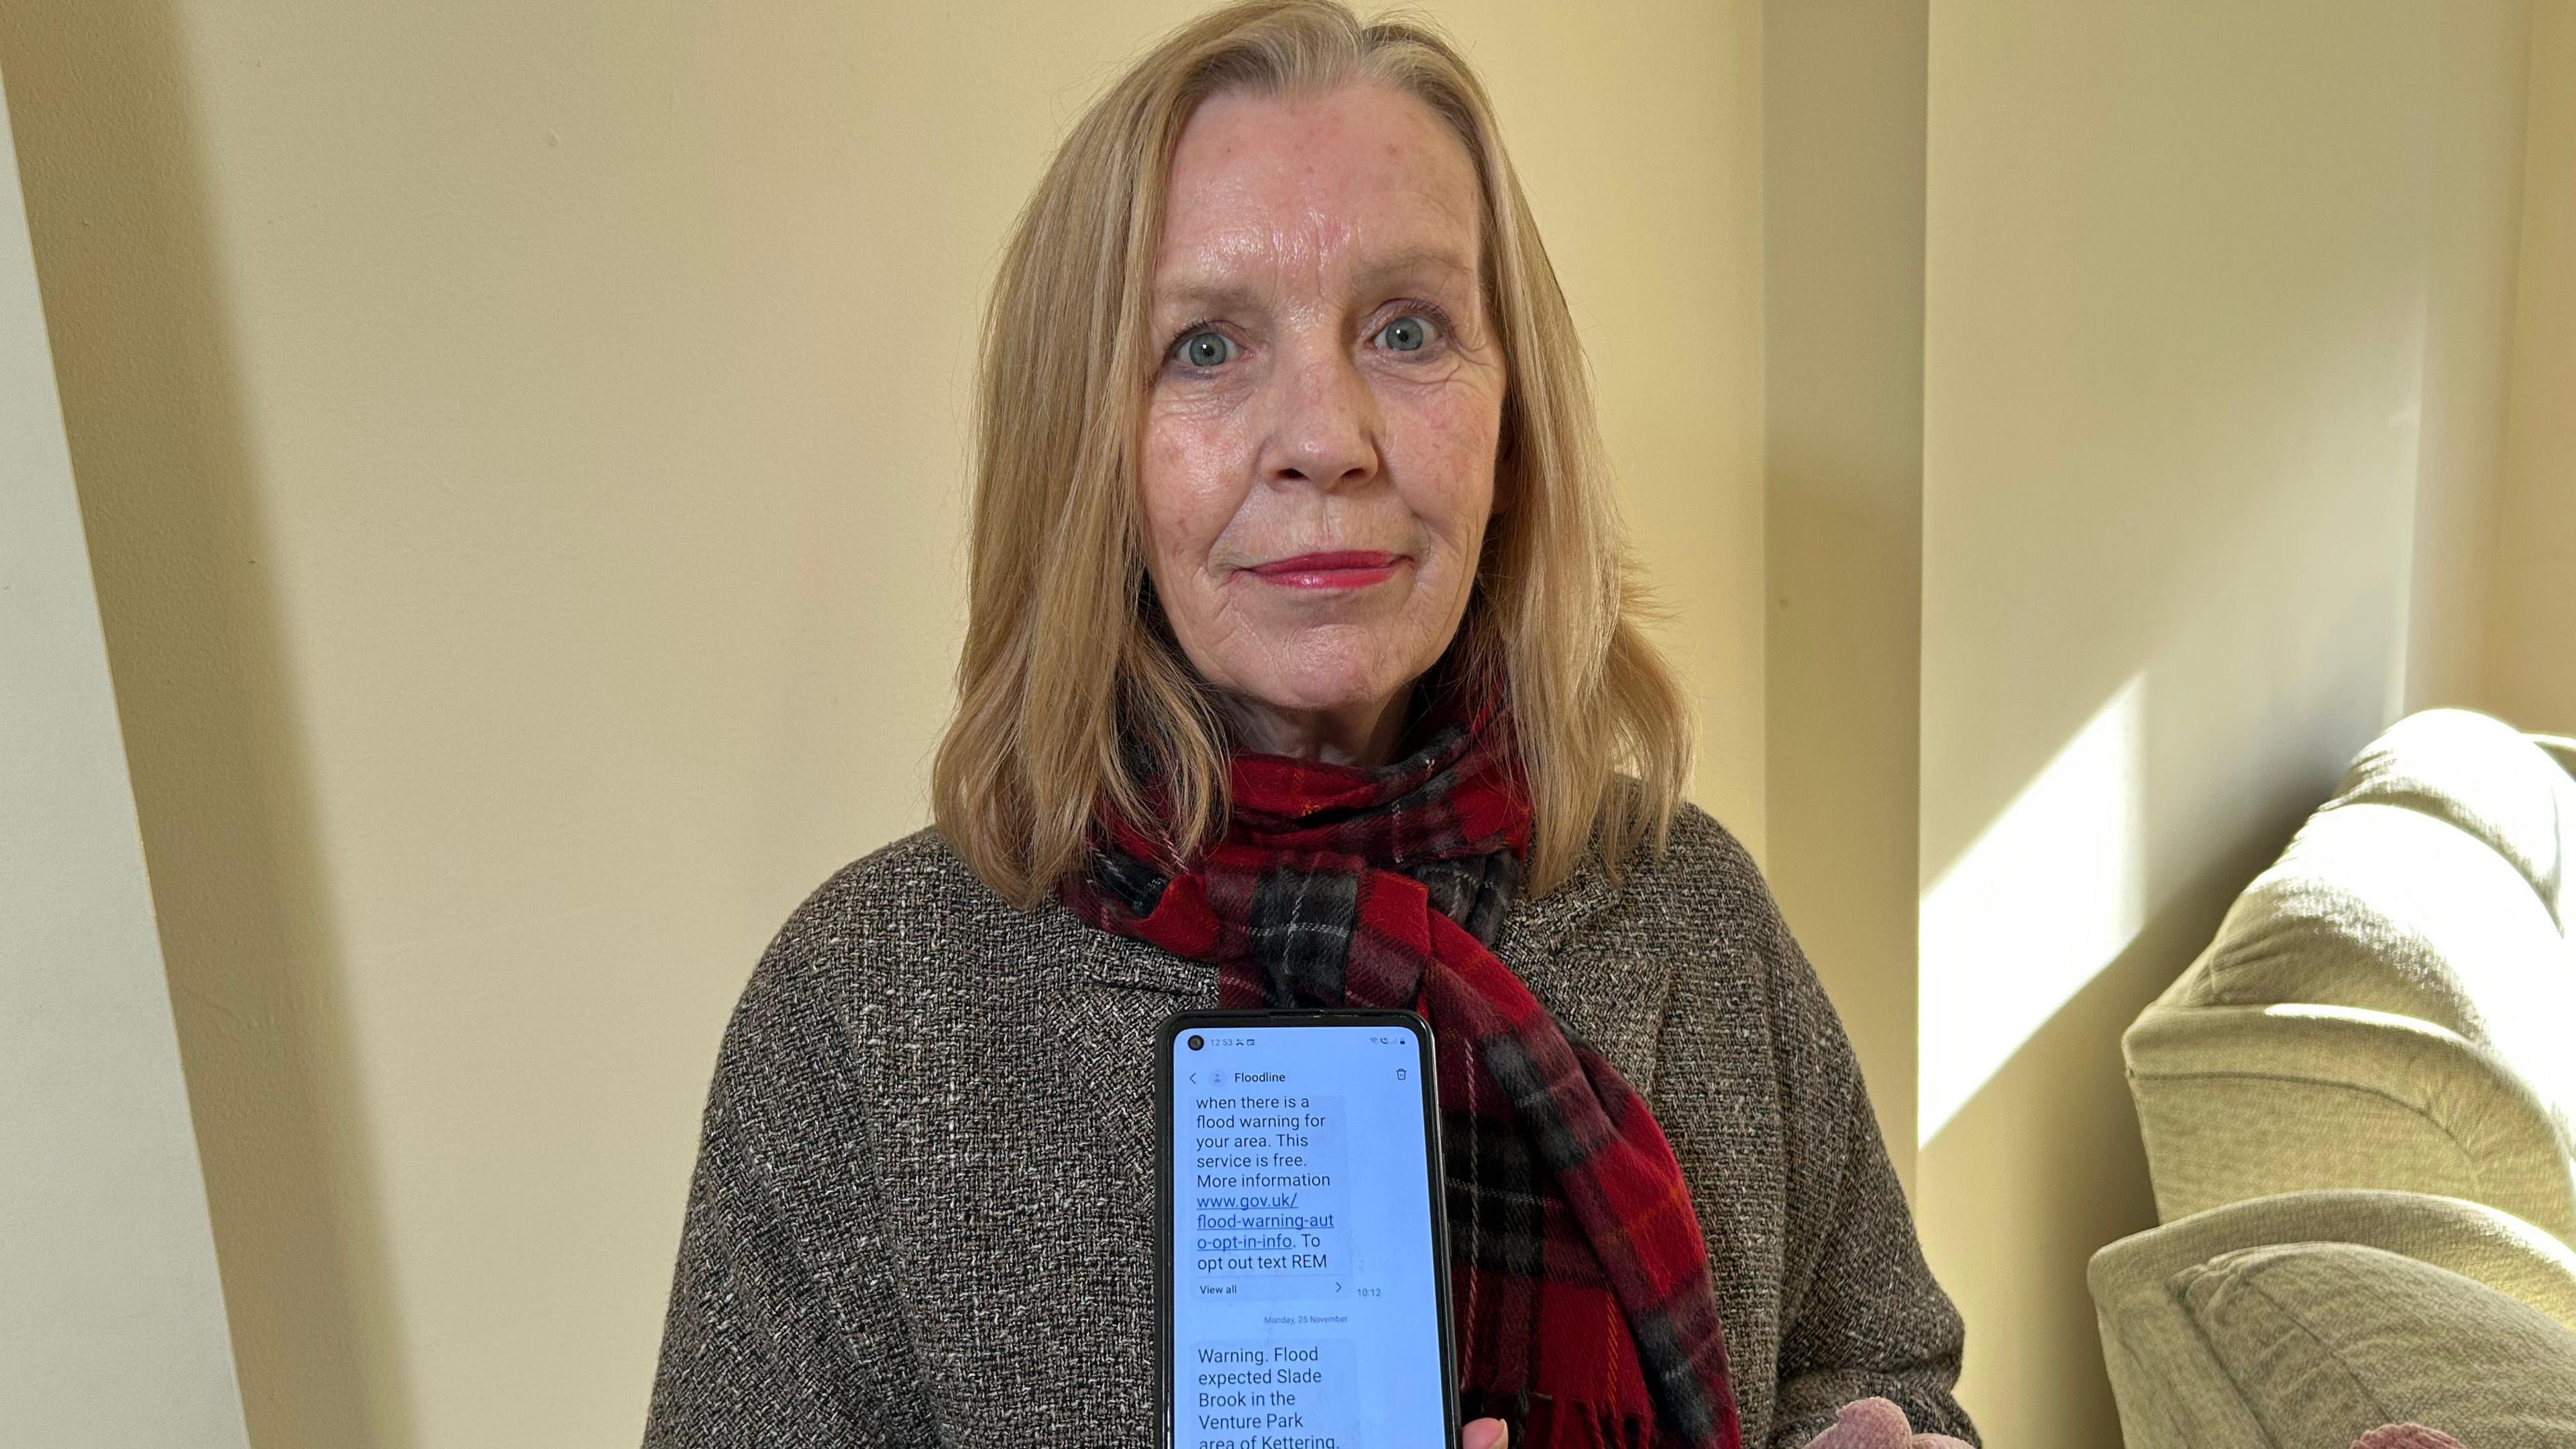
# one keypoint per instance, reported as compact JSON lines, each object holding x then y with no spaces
{"x":1300,"y":669}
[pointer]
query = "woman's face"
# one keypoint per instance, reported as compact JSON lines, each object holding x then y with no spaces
{"x":1319,"y":447}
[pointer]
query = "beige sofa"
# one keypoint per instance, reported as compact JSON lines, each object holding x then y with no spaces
{"x":2356,"y":1106}
{"x":2392,"y":1004}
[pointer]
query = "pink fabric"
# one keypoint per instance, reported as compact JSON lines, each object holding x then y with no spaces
{"x":1878,"y":1424}
{"x":2405,"y":1436}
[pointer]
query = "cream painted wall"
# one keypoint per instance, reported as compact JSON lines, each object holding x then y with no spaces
{"x":2476,"y":236}
{"x":520,"y":449}
{"x":2199,"y":356}
{"x":112,"y":1328}
{"x":1842,"y":178}
{"x":2531,"y":677}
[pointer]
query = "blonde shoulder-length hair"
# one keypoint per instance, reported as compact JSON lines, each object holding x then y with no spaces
{"x":1071,"y":691}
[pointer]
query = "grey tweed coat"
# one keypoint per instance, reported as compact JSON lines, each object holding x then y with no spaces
{"x":923,"y":1207}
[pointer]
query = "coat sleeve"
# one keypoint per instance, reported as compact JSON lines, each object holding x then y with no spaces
{"x":778,"y":1337}
{"x":1861,"y":1315}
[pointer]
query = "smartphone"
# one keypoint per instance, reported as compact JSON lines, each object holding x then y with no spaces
{"x":1304,"y":1273}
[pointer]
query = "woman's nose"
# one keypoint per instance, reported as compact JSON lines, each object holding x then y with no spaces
{"x":1323,"y":424}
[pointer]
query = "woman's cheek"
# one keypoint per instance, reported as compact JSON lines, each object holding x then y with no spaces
{"x":1181,"y":513}
{"x":1450,"y":453}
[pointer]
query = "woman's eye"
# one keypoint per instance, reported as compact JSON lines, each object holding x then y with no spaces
{"x":1407,"y":334}
{"x":1206,"y":349}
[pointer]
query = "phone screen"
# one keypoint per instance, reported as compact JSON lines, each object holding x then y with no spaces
{"x":1306,"y":1277}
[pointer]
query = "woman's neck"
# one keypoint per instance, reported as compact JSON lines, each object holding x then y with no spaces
{"x":1364,"y":734}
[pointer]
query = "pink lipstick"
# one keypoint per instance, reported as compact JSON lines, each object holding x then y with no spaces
{"x":1340,"y":569}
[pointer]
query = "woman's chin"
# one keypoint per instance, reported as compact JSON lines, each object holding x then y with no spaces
{"x":1329,"y":689}
{"x":1330,"y":669}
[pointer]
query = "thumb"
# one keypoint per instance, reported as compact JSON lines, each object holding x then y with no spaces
{"x":1484,"y":1434}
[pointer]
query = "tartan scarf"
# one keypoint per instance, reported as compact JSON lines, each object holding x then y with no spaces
{"x":1579,"y":1276}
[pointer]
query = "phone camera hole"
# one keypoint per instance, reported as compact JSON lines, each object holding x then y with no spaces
{"x":1197,"y":1042}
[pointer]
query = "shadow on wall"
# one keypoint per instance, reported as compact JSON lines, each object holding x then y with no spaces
{"x":1843,"y":747}
{"x":2056,"y":1116}
{"x":127,"y":260}
{"x":2083,"y":898}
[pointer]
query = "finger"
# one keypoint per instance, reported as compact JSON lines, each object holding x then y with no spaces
{"x":1484,"y":1434}
{"x":1868,"y":1424}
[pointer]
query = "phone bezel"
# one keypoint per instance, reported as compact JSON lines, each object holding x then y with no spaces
{"x":1435,"y":1188}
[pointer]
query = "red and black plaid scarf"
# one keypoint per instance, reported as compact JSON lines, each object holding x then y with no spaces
{"x":1580,"y":1279}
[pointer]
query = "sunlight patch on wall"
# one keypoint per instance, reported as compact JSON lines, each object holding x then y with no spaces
{"x":2052,"y":891}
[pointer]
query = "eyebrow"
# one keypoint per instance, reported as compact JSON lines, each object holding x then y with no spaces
{"x":1201,"y":291}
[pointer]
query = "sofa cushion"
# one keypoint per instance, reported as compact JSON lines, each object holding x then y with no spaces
{"x":2325,"y":1341}
{"x":2482,"y":777}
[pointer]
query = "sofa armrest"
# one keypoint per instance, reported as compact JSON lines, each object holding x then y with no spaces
{"x":2240,"y":1102}
{"x":2174,"y":1391}
{"x":2476,"y":1241}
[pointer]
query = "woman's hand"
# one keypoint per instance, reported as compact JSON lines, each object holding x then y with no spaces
{"x":1484,"y":1434}
{"x":1877,"y":1424}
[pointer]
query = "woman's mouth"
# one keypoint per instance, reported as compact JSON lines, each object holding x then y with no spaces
{"x":1343,"y":569}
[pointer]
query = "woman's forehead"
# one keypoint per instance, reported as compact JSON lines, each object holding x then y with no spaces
{"x":1351,"y":187}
